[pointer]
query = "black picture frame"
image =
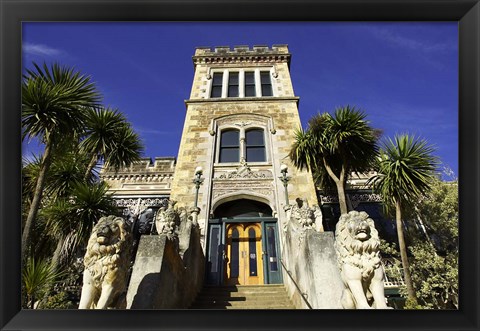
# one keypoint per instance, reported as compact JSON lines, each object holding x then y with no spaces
{"x":14,"y":12}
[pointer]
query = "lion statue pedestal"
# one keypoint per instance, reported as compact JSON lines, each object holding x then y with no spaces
{"x":106,"y":264}
{"x":357,"y":246}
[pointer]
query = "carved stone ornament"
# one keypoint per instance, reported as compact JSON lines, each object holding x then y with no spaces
{"x":244,"y":172}
{"x":106,"y":264}
{"x":357,"y":247}
{"x":302,"y":217}
{"x":168,"y":220}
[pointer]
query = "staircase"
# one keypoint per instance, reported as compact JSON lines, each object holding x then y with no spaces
{"x":243,"y":297}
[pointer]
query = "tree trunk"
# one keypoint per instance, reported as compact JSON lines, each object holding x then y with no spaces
{"x":37,"y":198}
{"x":90,"y":167}
{"x":340,"y":188}
{"x":57,"y":253}
{"x":403,"y":253}
{"x":341,"y":197}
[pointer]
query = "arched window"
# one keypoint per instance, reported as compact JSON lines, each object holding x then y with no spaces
{"x":230,"y":146}
{"x":255,"y":145}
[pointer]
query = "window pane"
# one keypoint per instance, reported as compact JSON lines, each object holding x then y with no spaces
{"x":266,"y":84}
{"x":230,"y":146}
{"x":271,"y":248}
{"x":254,"y":138}
{"x":214,"y":244}
{"x":233,"y":78}
{"x":265,"y":77}
{"x":216,"y":92}
{"x":217,"y":78}
{"x":230,"y":138}
{"x":250,"y":78}
{"x":229,"y":155}
{"x":250,"y":91}
{"x":233,"y":84}
{"x":217,"y":85}
{"x":235,"y":250}
{"x":252,"y":254}
{"x":267,"y":90}
{"x":233,"y":91}
{"x":255,"y":154}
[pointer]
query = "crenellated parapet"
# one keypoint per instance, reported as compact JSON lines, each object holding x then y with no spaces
{"x":141,"y":178}
{"x":242,"y":54}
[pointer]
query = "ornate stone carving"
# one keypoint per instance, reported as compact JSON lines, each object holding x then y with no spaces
{"x":168,"y":220}
{"x":106,"y":263}
{"x":357,"y":246}
{"x":243,"y":124}
{"x":244,"y":172}
{"x":302,"y":217}
{"x":243,"y":120}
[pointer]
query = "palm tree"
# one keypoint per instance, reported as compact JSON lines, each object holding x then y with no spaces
{"x":38,"y":276}
{"x":53,"y":103}
{"x":71,"y":219}
{"x":109,"y":137}
{"x":336,"y":146}
{"x":405,"y":173}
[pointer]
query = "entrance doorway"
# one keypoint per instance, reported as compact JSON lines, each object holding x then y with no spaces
{"x":244,"y":254}
{"x":242,"y":245}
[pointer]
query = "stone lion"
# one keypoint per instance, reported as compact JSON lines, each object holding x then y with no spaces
{"x":357,"y":245}
{"x":106,"y":263}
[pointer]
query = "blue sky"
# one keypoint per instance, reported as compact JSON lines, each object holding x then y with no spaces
{"x":403,"y":75}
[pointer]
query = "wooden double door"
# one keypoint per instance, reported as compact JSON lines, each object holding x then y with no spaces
{"x":244,"y":256}
{"x":243,"y":252}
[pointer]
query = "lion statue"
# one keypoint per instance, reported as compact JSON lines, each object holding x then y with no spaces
{"x":106,"y":263}
{"x":357,"y":246}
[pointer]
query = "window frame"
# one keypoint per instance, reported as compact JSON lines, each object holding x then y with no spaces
{"x":241,"y":81}
{"x":237,"y":147}
{"x":242,"y":144}
{"x":247,"y":146}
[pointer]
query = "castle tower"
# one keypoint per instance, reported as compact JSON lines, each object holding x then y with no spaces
{"x":239,"y":127}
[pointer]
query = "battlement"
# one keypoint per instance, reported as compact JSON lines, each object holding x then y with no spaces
{"x":144,"y":166}
{"x":276,"y":53}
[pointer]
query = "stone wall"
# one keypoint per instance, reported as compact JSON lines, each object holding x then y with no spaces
{"x":310,"y":258}
{"x":164,"y":277}
{"x":206,"y":117}
{"x":143,"y":178}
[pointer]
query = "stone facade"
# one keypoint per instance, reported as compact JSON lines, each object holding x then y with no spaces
{"x":306,"y":257}
{"x":150,"y":181}
{"x":206,"y":117}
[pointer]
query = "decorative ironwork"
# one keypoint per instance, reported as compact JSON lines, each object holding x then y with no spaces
{"x":355,"y":198}
{"x":132,"y":202}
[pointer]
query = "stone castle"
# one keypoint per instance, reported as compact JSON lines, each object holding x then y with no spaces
{"x":258,"y":217}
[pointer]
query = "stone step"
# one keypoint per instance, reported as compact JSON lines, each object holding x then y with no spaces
{"x":204,"y":298}
{"x":243,"y":305}
{"x":243,"y":297}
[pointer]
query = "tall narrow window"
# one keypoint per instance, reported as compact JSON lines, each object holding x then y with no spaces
{"x":250,"y":84}
{"x":252,"y":252}
{"x":234,"y":258}
{"x":233,"y":84}
{"x":266,"y":84}
{"x":255,"y":145}
{"x":230,"y":146}
{"x":217,"y":85}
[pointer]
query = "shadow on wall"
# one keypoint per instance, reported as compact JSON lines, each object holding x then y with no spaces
{"x":163,"y":277}
{"x":311,"y":259}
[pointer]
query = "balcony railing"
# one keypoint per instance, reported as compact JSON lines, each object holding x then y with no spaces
{"x":393,"y":274}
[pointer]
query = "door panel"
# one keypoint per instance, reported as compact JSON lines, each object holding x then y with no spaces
{"x":244,"y":254}
{"x":274,"y":274}
{"x":215,"y":255}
